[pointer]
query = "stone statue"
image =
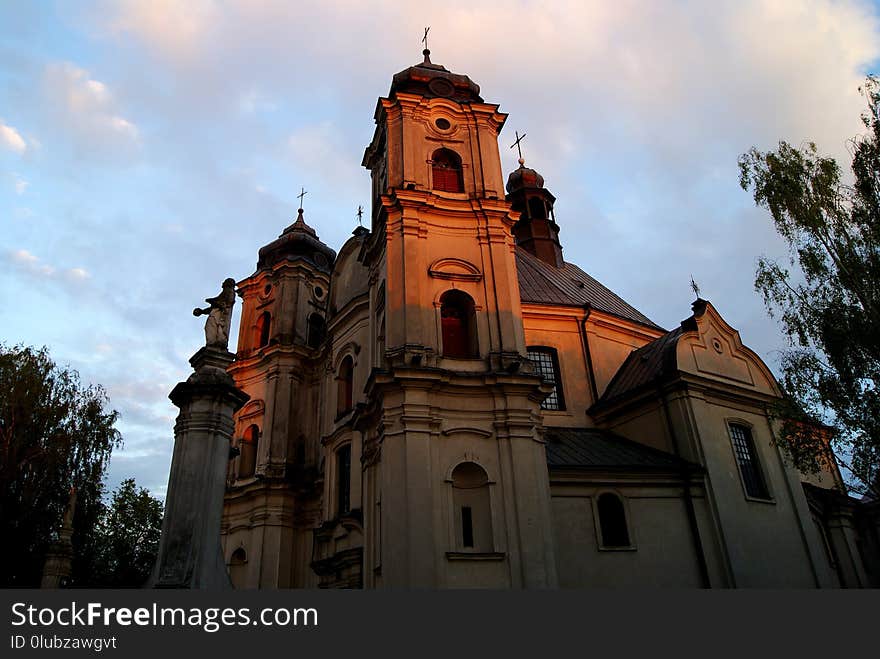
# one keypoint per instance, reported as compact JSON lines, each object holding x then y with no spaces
{"x":219,"y":316}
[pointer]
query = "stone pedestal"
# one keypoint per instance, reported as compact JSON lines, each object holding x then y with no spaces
{"x":189,"y":551}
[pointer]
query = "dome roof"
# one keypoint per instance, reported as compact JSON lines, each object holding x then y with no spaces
{"x":524,"y":177}
{"x":434,"y":81}
{"x":298,"y":241}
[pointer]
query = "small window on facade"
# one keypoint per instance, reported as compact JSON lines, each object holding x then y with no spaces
{"x":446,"y":170}
{"x":247,"y":460}
{"x":263,"y":325}
{"x":343,"y":475}
{"x":612,"y":521}
{"x":317,"y":329}
{"x":344,"y":386}
{"x":547,"y":366}
{"x":747,"y":460}
{"x":473,"y":513}
{"x":458,"y":323}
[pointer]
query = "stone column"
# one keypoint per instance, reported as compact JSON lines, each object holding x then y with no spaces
{"x":189,"y":551}
{"x":59,"y":559}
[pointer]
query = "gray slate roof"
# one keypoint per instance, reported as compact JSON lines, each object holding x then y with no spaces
{"x":594,"y":448}
{"x":542,"y":283}
{"x":648,"y":364}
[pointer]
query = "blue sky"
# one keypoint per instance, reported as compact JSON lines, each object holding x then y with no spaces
{"x":149,"y":148}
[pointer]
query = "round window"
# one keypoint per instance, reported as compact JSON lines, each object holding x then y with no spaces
{"x":442,"y":124}
{"x":319,"y":292}
{"x":267,"y":289}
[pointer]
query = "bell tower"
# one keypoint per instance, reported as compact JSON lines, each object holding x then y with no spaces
{"x":273,"y":490}
{"x":455,"y":475}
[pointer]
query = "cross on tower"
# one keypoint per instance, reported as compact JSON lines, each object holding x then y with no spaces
{"x":360,"y":215}
{"x":303,"y":192}
{"x":519,"y":138}
{"x":425,"y":38}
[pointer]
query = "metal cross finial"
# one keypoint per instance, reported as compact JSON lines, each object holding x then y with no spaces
{"x":519,"y":138}
{"x":425,"y":38}
{"x":303,"y":192}
{"x":695,"y":288}
{"x":360,"y":215}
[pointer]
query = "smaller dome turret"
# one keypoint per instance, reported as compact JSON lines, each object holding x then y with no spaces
{"x":298,"y":241}
{"x":524,"y":177}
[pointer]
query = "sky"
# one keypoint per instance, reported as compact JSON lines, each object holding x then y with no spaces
{"x":149,"y":148}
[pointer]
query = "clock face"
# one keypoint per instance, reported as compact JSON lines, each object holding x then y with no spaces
{"x":441,"y":87}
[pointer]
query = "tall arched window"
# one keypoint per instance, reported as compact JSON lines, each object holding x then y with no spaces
{"x":344,"y":386}
{"x":247,"y":460}
{"x":263,"y":324}
{"x":472,"y":510}
{"x":238,"y":567}
{"x":612,"y":522}
{"x":458,"y":323}
{"x":446,"y":169}
{"x":317,"y":329}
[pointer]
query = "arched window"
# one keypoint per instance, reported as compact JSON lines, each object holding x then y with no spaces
{"x":344,"y":386}
{"x":343,"y":480}
{"x":317,"y":330}
{"x":458,"y":323}
{"x":547,"y":366}
{"x":446,"y":169}
{"x":237,"y":567}
{"x":537,"y":210}
{"x":747,"y":461}
{"x":247,"y":460}
{"x":472,"y":510}
{"x":263,"y":324}
{"x":612,"y":521}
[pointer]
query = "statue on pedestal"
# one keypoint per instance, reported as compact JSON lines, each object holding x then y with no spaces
{"x":219,"y":316}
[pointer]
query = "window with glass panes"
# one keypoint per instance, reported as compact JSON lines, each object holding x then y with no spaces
{"x":747,"y":460}
{"x":547,"y":366}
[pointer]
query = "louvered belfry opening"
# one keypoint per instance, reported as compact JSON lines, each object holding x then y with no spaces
{"x":446,"y":167}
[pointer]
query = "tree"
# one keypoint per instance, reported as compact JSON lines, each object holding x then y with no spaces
{"x":55,"y":433}
{"x":830,"y":310}
{"x":127,"y":538}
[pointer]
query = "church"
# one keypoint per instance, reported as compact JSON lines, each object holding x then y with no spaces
{"x":447,"y":403}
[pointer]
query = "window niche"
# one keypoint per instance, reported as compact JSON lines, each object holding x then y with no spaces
{"x":613,"y":528}
{"x":264,"y":323}
{"x":247,"y":460}
{"x":458,"y":325}
{"x":343,"y":480}
{"x":446,"y":171}
{"x":344,"y":386}
{"x":472,"y":511}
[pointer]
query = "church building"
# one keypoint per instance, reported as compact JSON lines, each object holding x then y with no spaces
{"x":447,"y":403}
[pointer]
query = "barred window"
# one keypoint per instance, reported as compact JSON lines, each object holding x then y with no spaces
{"x":547,"y":366}
{"x":747,"y":460}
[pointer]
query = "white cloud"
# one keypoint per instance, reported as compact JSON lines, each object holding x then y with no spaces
{"x":87,"y":109}
{"x":11,"y":138}
{"x":32,"y":265}
{"x":20,"y":184}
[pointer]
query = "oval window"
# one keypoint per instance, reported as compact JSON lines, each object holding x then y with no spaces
{"x":442,"y":124}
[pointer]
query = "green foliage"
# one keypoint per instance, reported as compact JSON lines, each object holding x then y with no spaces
{"x":127,"y":538}
{"x":55,"y":433}
{"x":830,"y":308}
